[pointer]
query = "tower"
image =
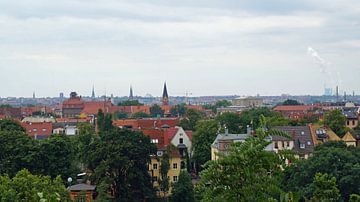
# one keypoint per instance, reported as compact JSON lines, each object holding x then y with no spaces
{"x":131,"y":96}
{"x":34,"y":95}
{"x":93,"y":93}
{"x":165,"y":97}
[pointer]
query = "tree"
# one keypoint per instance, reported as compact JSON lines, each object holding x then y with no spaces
{"x":183,"y":189}
{"x":178,"y":110}
{"x":354,"y":198}
{"x":120,"y":115}
{"x":231,"y":121}
{"x":17,"y":151}
{"x":140,"y":115}
{"x":191,"y":118}
{"x":164,"y":169}
{"x":218,"y":104}
{"x":332,"y":158}
{"x":119,"y":163}
{"x":27,"y":187}
{"x":56,"y":156}
{"x":104,"y":121}
{"x":10,"y":125}
{"x":245,"y":168}
{"x":83,"y":142}
{"x":130,"y":103}
{"x":204,"y":136}
{"x":291,"y":102}
{"x":336,"y":121}
{"x":156,"y":111}
{"x":324,"y":188}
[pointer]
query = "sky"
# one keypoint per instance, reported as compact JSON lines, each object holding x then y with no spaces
{"x":202,"y":47}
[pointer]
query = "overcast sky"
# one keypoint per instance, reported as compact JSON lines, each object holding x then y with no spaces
{"x":205,"y":47}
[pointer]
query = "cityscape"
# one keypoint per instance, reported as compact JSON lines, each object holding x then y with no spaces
{"x":180,"y":101}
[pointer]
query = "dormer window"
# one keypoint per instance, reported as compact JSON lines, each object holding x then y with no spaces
{"x":181,"y":141}
{"x":302,"y":133}
{"x":302,"y":146}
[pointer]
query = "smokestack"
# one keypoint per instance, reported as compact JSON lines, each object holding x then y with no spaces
{"x":344,"y":95}
{"x":353,"y":93}
{"x":337,"y":93}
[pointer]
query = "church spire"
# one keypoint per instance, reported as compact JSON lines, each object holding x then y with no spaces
{"x":131,"y":96}
{"x":93,"y":93}
{"x":165,"y":97}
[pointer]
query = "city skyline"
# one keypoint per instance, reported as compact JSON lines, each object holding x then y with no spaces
{"x":202,"y":47}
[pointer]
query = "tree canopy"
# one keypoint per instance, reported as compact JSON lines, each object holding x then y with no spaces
{"x":183,"y":189}
{"x":10,"y":125}
{"x":130,"y":103}
{"x":178,"y":110}
{"x":336,"y":121}
{"x":191,"y":118}
{"x":291,"y":102}
{"x":156,"y":111}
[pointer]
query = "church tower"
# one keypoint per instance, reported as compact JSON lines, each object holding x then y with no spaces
{"x":131,"y":96}
{"x":165,"y":97}
{"x":93,"y":93}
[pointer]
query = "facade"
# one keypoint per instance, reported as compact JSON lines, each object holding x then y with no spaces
{"x":295,"y":112}
{"x":349,"y":139}
{"x":301,"y":141}
{"x":247,"y":102}
{"x":82,"y":192}
{"x":352,"y":117}
{"x":38,"y":130}
{"x":73,"y":106}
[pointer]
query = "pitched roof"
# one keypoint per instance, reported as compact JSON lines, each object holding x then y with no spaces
{"x":82,"y":187}
{"x":348,"y":137}
{"x":301,"y":136}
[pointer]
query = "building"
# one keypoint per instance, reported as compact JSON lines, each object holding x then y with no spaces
{"x":352,"y":117}
{"x":295,"y":112}
{"x":349,"y":139}
{"x":73,"y":106}
{"x":223,"y":141}
{"x":165,"y":96}
{"x":38,"y":130}
{"x":300,"y":141}
{"x":247,"y":102}
{"x":82,"y":192}
{"x":147,"y":123}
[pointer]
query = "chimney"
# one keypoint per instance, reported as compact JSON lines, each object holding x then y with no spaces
{"x":226,"y":131}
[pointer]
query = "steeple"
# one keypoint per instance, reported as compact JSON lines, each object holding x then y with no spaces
{"x":93,"y":93}
{"x":165,"y":97}
{"x":131,"y":96}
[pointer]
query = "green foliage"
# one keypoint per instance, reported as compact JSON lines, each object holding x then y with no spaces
{"x":121,"y":115}
{"x":17,"y":151}
{"x":231,"y":121}
{"x":140,"y":115}
{"x":10,"y":125}
{"x":218,"y":104}
{"x":332,"y":158}
{"x":27,"y":187}
{"x":190,"y":119}
{"x":246,"y":167}
{"x":336,"y":121}
{"x":324,"y":188}
{"x":178,"y":110}
{"x":118,"y":162}
{"x":55,"y":157}
{"x":156,"y":111}
{"x":183,"y":189}
{"x":164,"y":169}
{"x":84,"y":141}
{"x":354,"y":198}
{"x":104,"y":121}
{"x":291,"y":102}
{"x":130,"y":103}
{"x":204,"y":136}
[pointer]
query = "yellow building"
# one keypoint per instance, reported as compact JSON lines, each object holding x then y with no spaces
{"x":349,"y":139}
{"x":176,"y":164}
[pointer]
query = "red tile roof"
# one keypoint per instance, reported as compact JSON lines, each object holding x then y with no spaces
{"x":38,"y":129}
{"x":293,"y":108}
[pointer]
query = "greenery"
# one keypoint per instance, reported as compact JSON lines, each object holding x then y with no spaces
{"x":206,"y":132}
{"x":291,"y":102}
{"x":164,"y":169}
{"x":104,"y":121}
{"x":156,"y":111}
{"x":140,"y":115}
{"x":121,"y":115}
{"x":183,"y":189}
{"x":324,"y":188}
{"x":218,"y":104}
{"x":130,"y":103}
{"x":178,"y":110}
{"x":246,"y":167}
{"x":336,"y":121}
{"x":10,"y":125}
{"x":332,"y":158}
{"x":27,"y":187}
{"x":190,"y":119}
{"x":118,"y":160}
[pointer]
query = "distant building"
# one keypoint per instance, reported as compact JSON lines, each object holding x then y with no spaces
{"x":38,"y":130}
{"x":349,"y":139}
{"x":165,"y":96}
{"x":73,"y":106}
{"x":247,"y":102}
{"x":295,"y":112}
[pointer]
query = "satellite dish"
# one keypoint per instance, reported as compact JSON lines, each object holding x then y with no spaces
{"x":69,"y":180}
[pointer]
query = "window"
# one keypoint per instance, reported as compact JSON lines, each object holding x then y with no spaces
{"x":285,"y":144}
{"x":34,"y":129}
{"x":302,"y":132}
{"x":159,"y":153}
{"x":154,"y":178}
{"x":155,"y":141}
{"x":175,"y":166}
{"x":347,"y":122}
{"x":308,"y":143}
{"x":181,"y":134}
{"x":302,"y":145}
{"x":353,"y":122}
{"x":276,"y":145}
{"x":44,"y":129}
{"x":181,"y":141}
{"x":155,"y":166}
{"x":175,"y":178}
